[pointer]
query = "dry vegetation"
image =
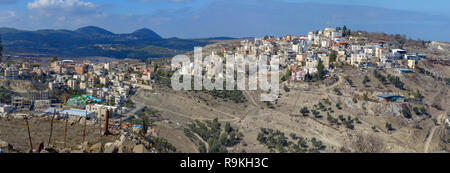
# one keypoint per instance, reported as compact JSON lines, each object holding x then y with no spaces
{"x":349,"y":121}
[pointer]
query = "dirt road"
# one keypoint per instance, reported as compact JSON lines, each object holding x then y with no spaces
{"x":433,"y":130}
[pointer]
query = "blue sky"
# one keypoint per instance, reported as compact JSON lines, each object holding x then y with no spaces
{"x":425,"y":19}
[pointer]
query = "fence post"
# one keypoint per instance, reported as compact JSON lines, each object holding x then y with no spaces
{"x":51,"y":128}
{"x":29,"y":135}
{"x":120,"y":121}
{"x":100,"y":122}
{"x":106,"y":130}
{"x":84,"y":129}
{"x":65,"y":129}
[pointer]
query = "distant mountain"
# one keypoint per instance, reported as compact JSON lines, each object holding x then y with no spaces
{"x":94,"y":31}
{"x":218,"y":38}
{"x":8,"y":30}
{"x":95,"y":41}
{"x":146,"y":34}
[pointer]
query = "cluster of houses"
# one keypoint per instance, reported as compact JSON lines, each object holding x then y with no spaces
{"x":110,"y":82}
{"x":301,"y":54}
{"x":21,"y":71}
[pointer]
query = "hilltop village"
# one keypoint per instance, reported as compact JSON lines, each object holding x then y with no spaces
{"x":345,"y":71}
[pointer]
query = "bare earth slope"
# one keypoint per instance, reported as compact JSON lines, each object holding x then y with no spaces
{"x":417,"y":134}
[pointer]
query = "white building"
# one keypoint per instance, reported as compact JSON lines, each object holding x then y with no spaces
{"x":73,"y":84}
{"x":11,"y":72}
{"x":398,"y":53}
{"x":100,"y":110}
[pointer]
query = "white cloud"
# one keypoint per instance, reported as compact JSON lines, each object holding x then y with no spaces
{"x":62,"y":13}
{"x":71,"y":6}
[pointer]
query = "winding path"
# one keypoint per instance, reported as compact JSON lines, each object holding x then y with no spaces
{"x":430,"y":136}
{"x":141,"y":102}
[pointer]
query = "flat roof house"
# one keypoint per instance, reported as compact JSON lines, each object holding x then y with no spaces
{"x":71,"y":112}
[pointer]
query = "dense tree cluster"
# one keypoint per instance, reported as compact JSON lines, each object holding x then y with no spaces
{"x":275,"y":140}
{"x":162,"y":144}
{"x":237,"y":96}
{"x":331,"y":119}
{"x":406,"y":114}
{"x":345,"y":31}
{"x":349,"y":122}
{"x":380,"y":77}
{"x":420,"y":110}
{"x":218,"y":139}
{"x":395,"y":80}
{"x":320,"y":70}
{"x":162,"y":77}
{"x":395,"y":39}
{"x":304,"y":111}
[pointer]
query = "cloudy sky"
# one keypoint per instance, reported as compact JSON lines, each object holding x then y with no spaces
{"x":425,"y":19}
